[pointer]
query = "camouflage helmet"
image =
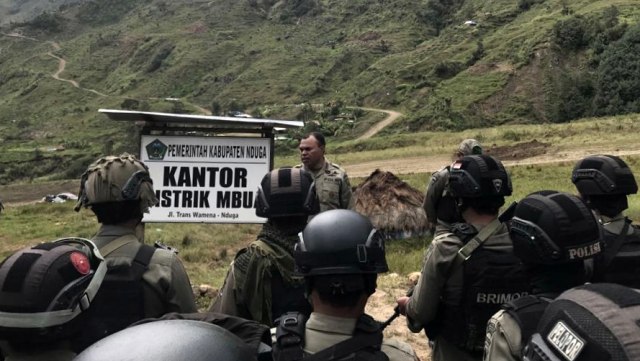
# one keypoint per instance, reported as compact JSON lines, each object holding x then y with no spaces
{"x":469,"y":147}
{"x":116,"y":179}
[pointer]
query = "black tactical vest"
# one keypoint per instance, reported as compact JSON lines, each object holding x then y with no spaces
{"x":620,"y":261}
{"x":364,"y":345}
{"x":490,"y":278}
{"x":119,"y":302}
{"x":527,"y":311}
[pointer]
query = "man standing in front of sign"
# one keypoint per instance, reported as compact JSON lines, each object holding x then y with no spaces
{"x":332,"y":182}
{"x":142,"y":281}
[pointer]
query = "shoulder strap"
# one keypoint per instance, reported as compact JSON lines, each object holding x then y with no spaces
{"x":465,"y":252}
{"x":614,"y":246}
{"x":526,"y":311}
{"x":117,"y":243}
{"x":141,"y":261}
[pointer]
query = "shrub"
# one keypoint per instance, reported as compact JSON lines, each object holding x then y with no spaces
{"x":448,"y":69}
{"x":570,"y":34}
{"x":618,"y":81}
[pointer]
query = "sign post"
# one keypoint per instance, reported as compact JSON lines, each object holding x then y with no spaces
{"x":205,"y":169}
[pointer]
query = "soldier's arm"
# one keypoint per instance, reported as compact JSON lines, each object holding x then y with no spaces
{"x":181,"y":297}
{"x":424,"y":303}
{"x":346,"y":196}
{"x":503,"y":339}
{"x":434,"y":193}
{"x":225,"y":302}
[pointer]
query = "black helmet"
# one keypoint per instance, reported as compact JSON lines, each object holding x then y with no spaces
{"x":603,"y":175}
{"x":590,"y":322}
{"x":340,"y":241}
{"x":550,"y":227}
{"x":287,"y":192}
{"x":170,"y":340}
{"x":476,"y":176}
{"x":47,"y":286}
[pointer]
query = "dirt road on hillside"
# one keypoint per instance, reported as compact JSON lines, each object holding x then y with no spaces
{"x":391,"y":117}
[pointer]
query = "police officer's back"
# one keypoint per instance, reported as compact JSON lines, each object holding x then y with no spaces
{"x":45,"y":293}
{"x":604,"y":182}
{"x":470,"y":271}
{"x":553,"y":234}
{"x":261,"y":284}
{"x":143,"y":281}
{"x":593,"y":322}
{"x":340,"y":255}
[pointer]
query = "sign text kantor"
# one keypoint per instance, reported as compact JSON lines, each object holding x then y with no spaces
{"x":205,"y":179}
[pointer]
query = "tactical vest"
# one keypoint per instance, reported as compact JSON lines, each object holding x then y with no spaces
{"x":527,"y":311}
{"x":119,"y":302}
{"x":490,"y":278}
{"x":620,"y":261}
{"x":285,"y":296}
{"x":363,"y":345}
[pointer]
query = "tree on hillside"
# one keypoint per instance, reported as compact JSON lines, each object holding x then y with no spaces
{"x":438,"y":13}
{"x":618,"y":82}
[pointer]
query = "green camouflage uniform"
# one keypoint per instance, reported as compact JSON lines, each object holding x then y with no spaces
{"x":166,"y":284}
{"x":332,"y":186}
{"x":503,"y":341}
{"x":435,"y":192}
{"x":247,"y":288}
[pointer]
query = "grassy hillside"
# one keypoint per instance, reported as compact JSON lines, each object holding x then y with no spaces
{"x":526,"y":61}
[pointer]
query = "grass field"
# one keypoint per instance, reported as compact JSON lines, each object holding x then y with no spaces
{"x":207,"y":249}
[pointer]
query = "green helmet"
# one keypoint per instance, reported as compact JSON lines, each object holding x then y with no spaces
{"x":114,"y":179}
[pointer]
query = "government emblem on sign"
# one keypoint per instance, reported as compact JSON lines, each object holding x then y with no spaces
{"x":156,"y":150}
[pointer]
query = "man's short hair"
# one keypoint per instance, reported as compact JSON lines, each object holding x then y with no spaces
{"x":319,"y":137}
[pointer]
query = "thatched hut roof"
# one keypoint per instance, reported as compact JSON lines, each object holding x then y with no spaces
{"x":393,"y":206}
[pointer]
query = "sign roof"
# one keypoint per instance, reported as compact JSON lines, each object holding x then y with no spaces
{"x":217,"y":121}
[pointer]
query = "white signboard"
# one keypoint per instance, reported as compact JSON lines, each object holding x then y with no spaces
{"x":205,"y":179}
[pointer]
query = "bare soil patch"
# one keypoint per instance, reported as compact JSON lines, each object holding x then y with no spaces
{"x":17,"y":194}
{"x":519,"y":151}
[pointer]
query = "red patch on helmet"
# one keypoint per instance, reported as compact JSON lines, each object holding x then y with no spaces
{"x":80,"y":262}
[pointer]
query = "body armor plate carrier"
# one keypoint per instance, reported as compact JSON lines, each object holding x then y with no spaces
{"x":490,"y":278}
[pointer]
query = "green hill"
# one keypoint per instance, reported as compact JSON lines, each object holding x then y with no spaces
{"x":524,"y":61}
